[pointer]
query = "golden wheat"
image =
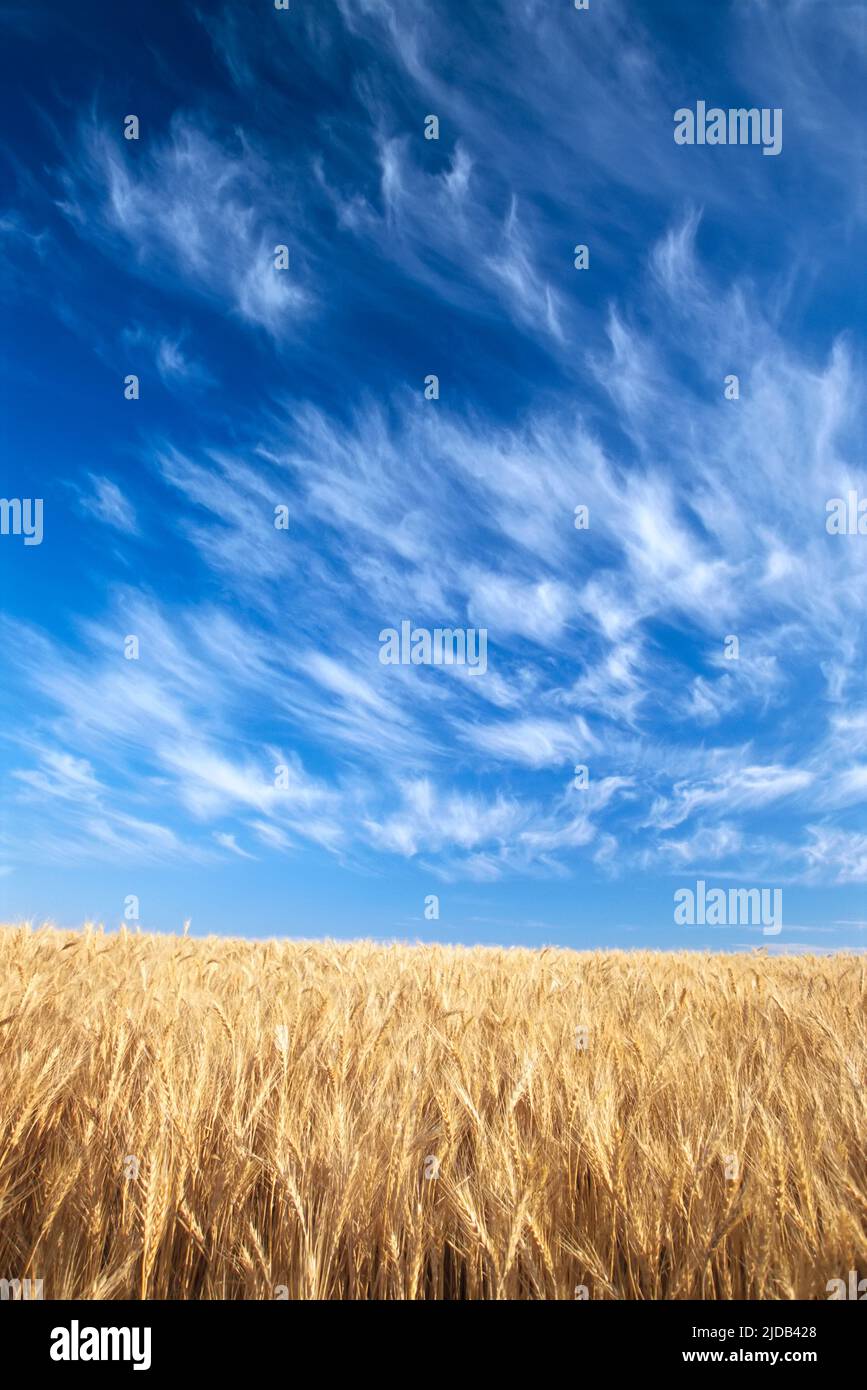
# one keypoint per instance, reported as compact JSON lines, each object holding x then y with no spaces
{"x":236,"y":1119}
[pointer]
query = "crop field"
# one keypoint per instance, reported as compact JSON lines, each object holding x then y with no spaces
{"x":223,"y":1118}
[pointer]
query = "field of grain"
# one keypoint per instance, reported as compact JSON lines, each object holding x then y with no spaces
{"x":213,"y":1118}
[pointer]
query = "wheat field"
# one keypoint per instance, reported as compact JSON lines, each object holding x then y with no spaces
{"x":219,"y":1118}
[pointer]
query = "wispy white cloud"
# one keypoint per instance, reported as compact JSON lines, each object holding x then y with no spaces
{"x":731,"y":789}
{"x":835,"y":855}
{"x":192,"y":209}
{"x":178,"y":368}
{"x":228,"y":841}
{"x":706,"y":515}
{"x":106,"y":501}
{"x":533,"y":742}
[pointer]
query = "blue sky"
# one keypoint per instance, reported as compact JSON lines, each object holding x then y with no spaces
{"x":305,"y":388}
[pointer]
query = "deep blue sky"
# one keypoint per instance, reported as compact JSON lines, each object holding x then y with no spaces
{"x":259,"y":647}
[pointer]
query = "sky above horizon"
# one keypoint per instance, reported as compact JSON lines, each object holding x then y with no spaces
{"x":303,"y":386}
